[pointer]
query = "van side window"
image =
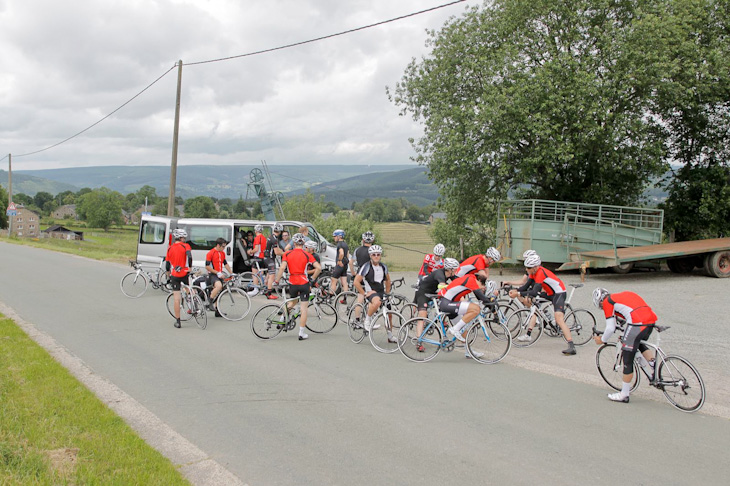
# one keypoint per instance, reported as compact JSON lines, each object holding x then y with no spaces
{"x":152,"y":232}
{"x":203,"y":237}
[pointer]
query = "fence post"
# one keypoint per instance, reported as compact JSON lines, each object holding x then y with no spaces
{"x":461,"y":248}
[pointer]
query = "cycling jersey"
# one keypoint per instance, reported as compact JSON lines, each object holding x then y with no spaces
{"x":429,"y":285}
{"x":631,"y":307}
{"x":361,"y":255}
{"x":374,"y":276}
{"x":430,"y":264}
{"x":341,"y":245}
{"x":297,"y":261}
{"x":216,"y":259}
{"x":177,"y":257}
{"x":545,"y":279}
{"x":472,"y":265}
{"x":260,"y":240}
{"x":460,"y":287}
{"x":271,"y":244}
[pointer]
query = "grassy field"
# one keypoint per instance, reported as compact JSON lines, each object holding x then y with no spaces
{"x":55,"y":431}
{"x":404,"y":244}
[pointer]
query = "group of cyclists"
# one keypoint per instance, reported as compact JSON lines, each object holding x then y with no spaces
{"x":447,"y":278}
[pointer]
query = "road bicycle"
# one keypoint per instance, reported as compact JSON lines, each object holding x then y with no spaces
{"x":270,"y":320}
{"x":385,"y":325}
{"x":135,"y":283}
{"x":232,"y":303}
{"x":344,"y":301}
{"x":253,"y":282}
{"x":488,"y":339}
{"x":674,"y":375}
{"x":580,"y":322}
{"x":191,"y":305}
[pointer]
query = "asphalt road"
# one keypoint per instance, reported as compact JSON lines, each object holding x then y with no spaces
{"x":326,"y":411}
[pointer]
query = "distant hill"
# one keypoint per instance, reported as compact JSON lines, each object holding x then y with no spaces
{"x":411,"y":184}
{"x":195,"y":180}
{"x":30,"y":185}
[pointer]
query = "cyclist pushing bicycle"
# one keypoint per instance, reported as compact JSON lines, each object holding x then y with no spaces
{"x":640,"y":321}
{"x":179,"y":260}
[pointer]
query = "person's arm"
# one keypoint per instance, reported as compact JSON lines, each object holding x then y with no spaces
{"x":479,"y":294}
{"x":388,"y":284}
{"x":358,"y":284}
{"x":340,"y":256}
{"x":280,"y":272}
{"x":209,"y":266}
{"x":317,"y":270}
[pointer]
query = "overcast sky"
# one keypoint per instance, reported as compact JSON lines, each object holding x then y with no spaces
{"x":65,"y":65}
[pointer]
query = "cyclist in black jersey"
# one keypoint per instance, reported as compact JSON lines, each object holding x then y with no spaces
{"x":431,"y":284}
{"x":272,"y":251}
{"x":361,"y":256}
{"x":342,"y":259}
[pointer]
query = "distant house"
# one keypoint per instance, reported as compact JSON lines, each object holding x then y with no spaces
{"x":130,"y":218}
{"x":435,"y":216}
{"x":65,"y":211}
{"x":62,"y":233}
{"x":26,"y":223}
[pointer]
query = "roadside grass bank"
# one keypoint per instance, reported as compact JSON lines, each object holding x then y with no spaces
{"x":404,"y":244}
{"x":55,"y":431}
{"x":116,"y":245}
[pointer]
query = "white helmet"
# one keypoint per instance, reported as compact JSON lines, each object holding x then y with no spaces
{"x":451,"y":263}
{"x":311,"y":244}
{"x":494,"y":254}
{"x":598,"y":295}
{"x":533,"y":261}
{"x":368,"y":237}
{"x":298,"y":239}
{"x":278,"y":227}
{"x":375,"y":249}
{"x":491,"y":287}
{"x":528,"y":253}
{"x":179,"y":233}
{"x":439,"y":250}
{"x":258,"y":228}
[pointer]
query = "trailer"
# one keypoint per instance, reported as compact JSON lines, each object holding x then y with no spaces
{"x":573,"y":235}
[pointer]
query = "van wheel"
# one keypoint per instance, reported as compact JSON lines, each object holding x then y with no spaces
{"x":718,"y":264}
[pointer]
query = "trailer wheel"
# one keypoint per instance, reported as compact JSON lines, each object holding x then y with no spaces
{"x":681,"y":265}
{"x":623,"y":269}
{"x":718,"y":264}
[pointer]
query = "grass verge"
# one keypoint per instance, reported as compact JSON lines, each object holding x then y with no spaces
{"x":55,"y":431}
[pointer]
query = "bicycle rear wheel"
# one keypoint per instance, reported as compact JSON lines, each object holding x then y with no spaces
{"x":170,"y":305}
{"x":487,"y":346}
{"x":134,"y":284}
{"x":268,"y":322}
{"x":321,"y":317}
{"x":384,"y":334}
{"x":517,"y":323}
{"x":610,"y":367}
{"x":681,"y":383}
{"x":198,"y":311}
{"x":420,"y":346}
{"x":163,"y":281}
{"x":581,"y":323}
{"x":251,"y":283}
{"x":233,"y":304}
{"x":409,"y":311}
{"x":343,"y":303}
{"x":355,"y":324}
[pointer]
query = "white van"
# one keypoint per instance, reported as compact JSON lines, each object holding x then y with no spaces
{"x":155,"y":238}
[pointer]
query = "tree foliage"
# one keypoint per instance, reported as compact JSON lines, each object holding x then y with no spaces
{"x":200,"y":207}
{"x":101,"y":208}
{"x":554,"y":99}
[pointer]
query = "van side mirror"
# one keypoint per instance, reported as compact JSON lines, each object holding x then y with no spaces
{"x":322,"y":246}
{"x":228,"y":250}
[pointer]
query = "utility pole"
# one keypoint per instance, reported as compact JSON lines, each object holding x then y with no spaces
{"x":176,"y":131}
{"x":10,"y":193}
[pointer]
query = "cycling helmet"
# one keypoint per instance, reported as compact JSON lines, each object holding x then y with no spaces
{"x":339,"y":232}
{"x":533,"y":261}
{"x":494,"y":254}
{"x":375,"y":249}
{"x":179,"y":233}
{"x":278,"y":227}
{"x":258,"y":228}
{"x":439,"y":250}
{"x":528,"y":253}
{"x":451,"y":264}
{"x":298,"y":239}
{"x":368,"y":237}
{"x":491,"y":287}
{"x":598,"y":295}
{"x":310,"y":244}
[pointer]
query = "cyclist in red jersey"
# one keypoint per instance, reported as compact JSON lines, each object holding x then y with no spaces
{"x":215,"y":262}
{"x":640,"y":321}
{"x":179,"y":259}
{"x":479,"y":263}
{"x":297,"y":260}
{"x":541,"y":277}
{"x":432,"y":261}
{"x":522,"y":281}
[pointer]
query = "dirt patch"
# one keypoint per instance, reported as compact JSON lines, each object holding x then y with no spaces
{"x":63,"y":460}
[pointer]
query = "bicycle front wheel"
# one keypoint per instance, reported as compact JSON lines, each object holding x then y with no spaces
{"x":581,"y":323}
{"x":268,"y":322}
{"x":134,"y":284}
{"x":163,"y":281}
{"x":343,"y":303}
{"x":321,"y":317}
{"x":170,"y":305}
{"x":487,"y":346}
{"x":355,"y":323}
{"x":611,"y":368}
{"x":420,"y":339}
{"x":681,"y":383}
{"x":409,"y":311}
{"x":518,"y":323}
{"x":198,"y":311}
{"x":384,"y":333}
{"x":233,"y":304}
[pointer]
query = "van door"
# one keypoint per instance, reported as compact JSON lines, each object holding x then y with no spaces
{"x":153,"y":239}
{"x":202,"y":234}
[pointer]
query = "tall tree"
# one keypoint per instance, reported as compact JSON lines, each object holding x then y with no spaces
{"x":100,"y":208}
{"x":200,"y":207}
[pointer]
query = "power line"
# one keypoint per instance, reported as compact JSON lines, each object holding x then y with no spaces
{"x":350,"y":31}
{"x":107,"y":116}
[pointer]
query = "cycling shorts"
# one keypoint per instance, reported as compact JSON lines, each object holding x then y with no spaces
{"x":558,"y":301}
{"x":339,"y":271}
{"x":453,"y":308}
{"x":631,"y":342}
{"x":270,"y":263}
{"x":301,"y":291}
{"x":422,"y":301}
{"x":175,"y":282}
